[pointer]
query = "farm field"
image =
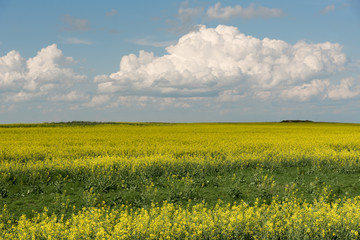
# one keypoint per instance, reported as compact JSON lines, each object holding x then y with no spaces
{"x":180,"y":181}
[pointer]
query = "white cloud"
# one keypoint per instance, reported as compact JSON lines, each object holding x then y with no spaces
{"x":230,"y":96}
{"x":21,"y":96}
{"x":98,"y":100}
{"x":212,"y":62}
{"x":252,"y":11}
{"x":48,"y":66}
{"x":74,"y":40}
{"x":343,"y":90}
{"x":323,"y":89}
{"x":47,"y":72}
{"x":328,"y":9}
{"x":158,"y":103}
{"x":12,"y":70}
{"x":72,"y":24}
{"x":113,"y":12}
{"x":262,"y":95}
{"x":101,"y":78}
{"x":307,"y":90}
{"x":72,"y":96}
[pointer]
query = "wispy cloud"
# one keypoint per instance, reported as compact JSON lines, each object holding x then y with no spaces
{"x":71,"y":24}
{"x":252,"y":11}
{"x":113,"y":12}
{"x":186,"y":19}
{"x":112,"y":30}
{"x":73,"y":40}
{"x":328,"y":9}
{"x":187,"y":15}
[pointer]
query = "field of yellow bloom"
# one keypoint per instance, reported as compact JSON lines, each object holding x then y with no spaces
{"x":84,"y":180}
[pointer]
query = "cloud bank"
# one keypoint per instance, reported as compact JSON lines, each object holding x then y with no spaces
{"x":227,"y":66}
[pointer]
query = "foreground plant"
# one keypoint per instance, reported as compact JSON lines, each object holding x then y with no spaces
{"x":290,"y":219}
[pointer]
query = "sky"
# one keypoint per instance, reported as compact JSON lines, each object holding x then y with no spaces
{"x":179,"y":61}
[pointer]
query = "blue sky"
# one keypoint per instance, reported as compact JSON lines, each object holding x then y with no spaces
{"x":179,"y":61}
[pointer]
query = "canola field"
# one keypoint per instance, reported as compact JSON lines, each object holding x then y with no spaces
{"x":85,"y":180}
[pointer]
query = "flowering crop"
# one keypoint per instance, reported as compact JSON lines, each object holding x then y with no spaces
{"x":157,"y":176}
{"x":293,"y":219}
{"x":75,"y":149}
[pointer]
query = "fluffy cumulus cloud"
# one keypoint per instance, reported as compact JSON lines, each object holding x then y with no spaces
{"x":307,"y":90}
{"x":228,"y":66}
{"x":323,"y":89}
{"x":98,"y":100}
{"x":11,"y":70}
{"x":252,"y":11}
{"x":345,"y":90}
{"x":46,"y":75}
{"x":208,"y":67}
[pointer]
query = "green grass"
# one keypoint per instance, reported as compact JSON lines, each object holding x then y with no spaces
{"x":140,"y":191}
